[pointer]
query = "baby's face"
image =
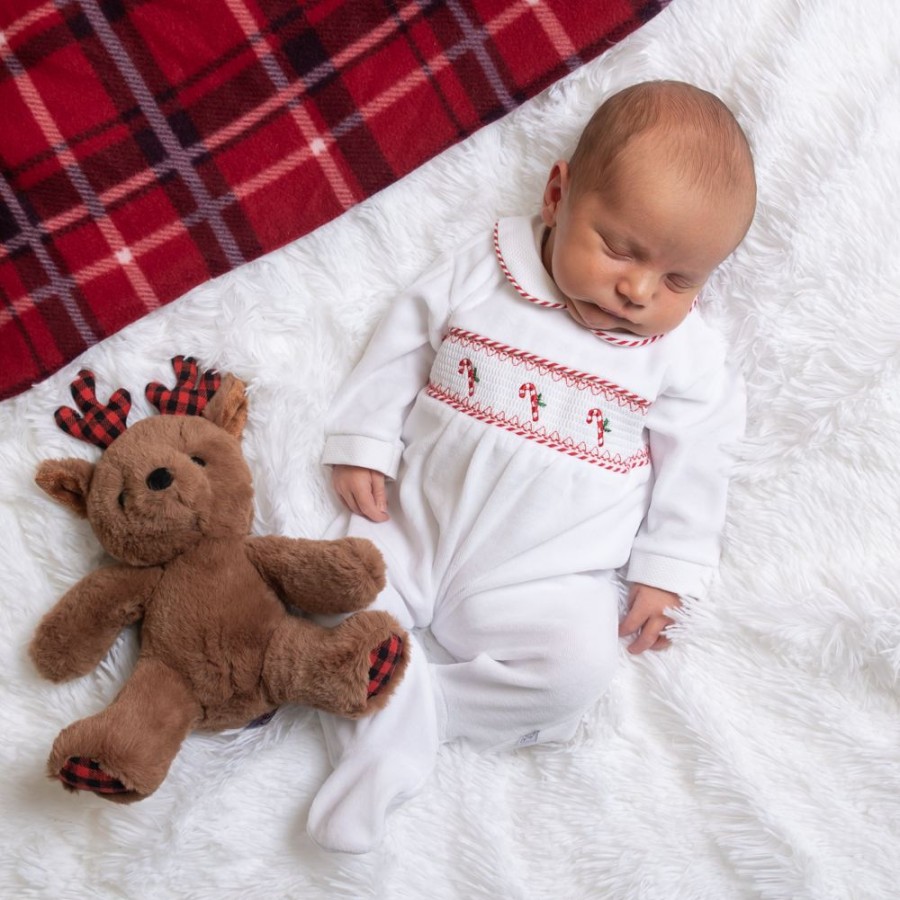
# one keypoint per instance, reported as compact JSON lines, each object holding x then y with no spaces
{"x":633,"y":257}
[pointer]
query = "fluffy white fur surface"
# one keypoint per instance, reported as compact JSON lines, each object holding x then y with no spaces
{"x":760,"y":755}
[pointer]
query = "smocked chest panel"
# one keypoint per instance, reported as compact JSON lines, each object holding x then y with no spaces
{"x":565,"y":410}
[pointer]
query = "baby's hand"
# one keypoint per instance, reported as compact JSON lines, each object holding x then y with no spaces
{"x":646,"y":607}
{"x":362,"y":491}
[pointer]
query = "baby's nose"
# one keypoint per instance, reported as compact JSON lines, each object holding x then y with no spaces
{"x":637,"y":286}
{"x":159,"y":479}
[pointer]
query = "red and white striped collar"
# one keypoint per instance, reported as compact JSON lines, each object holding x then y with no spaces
{"x":517,"y":245}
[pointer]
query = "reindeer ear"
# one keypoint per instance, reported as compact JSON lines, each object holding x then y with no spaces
{"x":228,"y":407}
{"x":67,"y":481}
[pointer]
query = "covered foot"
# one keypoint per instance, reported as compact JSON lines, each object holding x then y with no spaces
{"x":379,"y":762}
{"x":348,"y":814}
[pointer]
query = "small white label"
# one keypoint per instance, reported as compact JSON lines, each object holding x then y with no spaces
{"x":527,"y":739}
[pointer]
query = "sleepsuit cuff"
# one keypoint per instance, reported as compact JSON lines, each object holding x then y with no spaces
{"x":359,"y":450}
{"x":676,"y":575}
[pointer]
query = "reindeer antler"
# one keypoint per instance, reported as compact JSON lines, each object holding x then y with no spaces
{"x":191,"y":393}
{"x":98,"y":425}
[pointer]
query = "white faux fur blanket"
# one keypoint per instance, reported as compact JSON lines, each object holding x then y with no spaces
{"x":760,"y":755}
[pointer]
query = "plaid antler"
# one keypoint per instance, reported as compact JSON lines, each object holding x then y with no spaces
{"x":98,"y":425}
{"x":191,"y":393}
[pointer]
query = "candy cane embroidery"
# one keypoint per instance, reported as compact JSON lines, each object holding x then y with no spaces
{"x":478,"y":346}
{"x":621,"y":463}
{"x":466,"y":368}
{"x":596,"y":415}
{"x":542,"y":401}
{"x":529,"y":390}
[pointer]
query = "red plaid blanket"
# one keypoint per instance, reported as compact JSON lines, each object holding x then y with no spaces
{"x":148,"y":145}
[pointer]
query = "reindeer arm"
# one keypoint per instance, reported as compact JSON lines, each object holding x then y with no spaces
{"x":319,"y":576}
{"x":78,"y":632}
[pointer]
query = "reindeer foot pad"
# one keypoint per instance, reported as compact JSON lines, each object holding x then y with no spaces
{"x":382,"y":662}
{"x":83,"y":774}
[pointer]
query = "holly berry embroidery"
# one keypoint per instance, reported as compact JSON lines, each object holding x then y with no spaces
{"x":596,"y":415}
{"x":530,"y":391}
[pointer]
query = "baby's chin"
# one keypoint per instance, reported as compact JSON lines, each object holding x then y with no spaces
{"x":603,"y":322}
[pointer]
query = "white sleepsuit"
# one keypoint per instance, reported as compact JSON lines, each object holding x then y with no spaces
{"x":521,"y":445}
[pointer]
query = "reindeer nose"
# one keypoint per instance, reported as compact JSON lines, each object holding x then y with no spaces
{"x":159,"y":479}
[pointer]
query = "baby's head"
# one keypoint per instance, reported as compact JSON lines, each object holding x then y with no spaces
{"x":659,"y":191}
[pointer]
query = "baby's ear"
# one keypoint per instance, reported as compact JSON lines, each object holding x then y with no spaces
{"x":67,"y":481}
{"x":228,"y":407}
{"x":557,"y":185}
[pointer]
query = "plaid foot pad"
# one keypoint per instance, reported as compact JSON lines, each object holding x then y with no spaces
{"x":382,"y":662}
{"x":83,"y":774}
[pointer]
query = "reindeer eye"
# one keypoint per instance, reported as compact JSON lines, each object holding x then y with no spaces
{"x":198,"y":460}
{"x":122,"y":500}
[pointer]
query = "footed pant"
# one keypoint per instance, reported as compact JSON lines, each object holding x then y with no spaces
{"x":528,"y":660}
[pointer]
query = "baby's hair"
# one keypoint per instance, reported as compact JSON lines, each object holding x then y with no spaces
{"x":705,"y":141}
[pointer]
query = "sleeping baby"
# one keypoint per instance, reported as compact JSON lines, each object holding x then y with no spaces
{"x":544,"y":407}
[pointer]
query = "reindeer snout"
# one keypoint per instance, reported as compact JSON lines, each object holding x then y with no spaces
{"x":159,"y":479}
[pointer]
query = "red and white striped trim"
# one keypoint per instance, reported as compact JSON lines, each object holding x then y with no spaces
{"x":547,"y":304}
{"x":572,"y":377}
{"x":613,"y":338}
{"x":608,"y":336}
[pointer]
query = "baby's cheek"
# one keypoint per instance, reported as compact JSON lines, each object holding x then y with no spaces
{"x":680,"y":308}
{"x":579,"y":277}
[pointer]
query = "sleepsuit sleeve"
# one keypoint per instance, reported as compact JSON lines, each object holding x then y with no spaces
{"x":691,"y":434}
{"x":366,"y":419}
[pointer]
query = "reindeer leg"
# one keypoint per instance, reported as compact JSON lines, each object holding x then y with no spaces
{"x":124,"y":752}
{"x":349,"y":670}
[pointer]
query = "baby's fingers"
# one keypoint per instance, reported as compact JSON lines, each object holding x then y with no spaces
{"x":632,"y":621}
{"x":379,"y":496}
{"x":650,"y":637}
{"x":349,"y":500}
{"x":362,"y":491}
{"x":368,"y":506}
{"x":363,"y":495}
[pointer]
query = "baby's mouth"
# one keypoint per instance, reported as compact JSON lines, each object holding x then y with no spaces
{"x":581,"y":308}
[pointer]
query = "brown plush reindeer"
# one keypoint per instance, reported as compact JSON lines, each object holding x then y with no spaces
{"x":171,"y":500}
